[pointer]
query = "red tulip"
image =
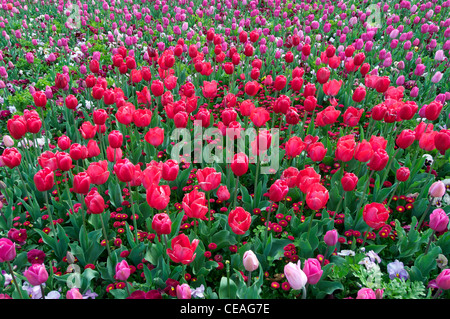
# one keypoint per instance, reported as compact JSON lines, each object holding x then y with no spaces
{"x":130,"y":62}
{"x":155,"y":136}
{"x":93,"y":149}
{"x":78,"y":151}
{"x":282,"y":104}
{"x":60,"y":81}
{"x":97,"y":92}
{"x":317,"y":196}
{"x":239,"y":166}
{"x":323,"y":75}
{"x":181,"y":119}
{"x":194,"y":204}
{"x":294,"y":147}
{"x":332,"y":87}
{"x":63,"y":161}
{"x":375,"y":215}
{"x":192,"y":51}
{"x":208,"y":178}
{"x":94,"y":66}
{"x":48,"y":159}
{"x":17,"y":127}
{"x":278,"y":190}
{"x":421,"y":128}
{"x":426,"y":141}
{"x":292,"y":117}
{"x":124,"y":170}
{"x":98,"y":172}
{"x":382,"y":84}
{"x":251,"y":88}
{"x":261,"y":143}
{"x":157,"y":88}
{"x":378,"y":142}
{"x":378,"y":112}
{"x":345,"y":148}
{"x":124,"y":114}
{"x":99,"y":116}
{"x":44,"y":179}
{"x":64,"y":142}
{"x":352,"y":116}
{"x":280,"y":82}
{"x":223,"y":194}
{"x":259,"y":116}
{"x":71,"y":102}
{"x":11,"y":157}
{"x":158,"y":197}
{"x":349,"y":182}
{"x":162,"y":224}
{"x":146,"y":73}
{"x":228,"y":68}
{"x":316,"y":151}
{"x":95,"y":203}
{"x":442,"y":141}
{"x":328,"y":116}
{"x":239,"y":221}
{"x":433,"y":110}
{"x":40,"y":99}
{"x":142,"y":117}
{"x":310,"y":103}
{"x":296,"y":84}
{"x":405,"y":139}
{"x":81,"y":183}
{"x":364,"y":152}
{"x":408,"y":110}
{"x":307,"y":177}
{"x":289,"y":176}
{"x":182,"y":250}
{"x":136,"y":76}
{"x":246,"y":108}
{"x":115,"y":139}
{"x":402,"y":174}
{"x":170,"y":169}
{"x":379,"y":160}
{"x":88,"y":130}
{"x":109,"y":96}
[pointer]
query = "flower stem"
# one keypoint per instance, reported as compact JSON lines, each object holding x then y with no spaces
{"x":105,"y":234}
{"x":42,"y":291}
{"x":429,"y":242}
{"x":235,"y":192}
{"x":14,"y":279}
{"x":419,"y":224}
{"x":50,"y":214}
{"x":134,"y":216}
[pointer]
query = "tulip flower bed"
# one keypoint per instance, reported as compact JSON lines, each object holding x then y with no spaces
{"x":215,"y":149}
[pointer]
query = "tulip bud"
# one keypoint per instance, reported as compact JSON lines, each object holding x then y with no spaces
{"x":402,"y":174}
{"x":295,"y":276}
{"x":122,"y":271}
{"x":438,"y":220}
{"x":437,"y":189}
{"x":349,"y":182}
{"x":250,"y":261}
{"x":183,"y":291}
{"x":331,"y":237}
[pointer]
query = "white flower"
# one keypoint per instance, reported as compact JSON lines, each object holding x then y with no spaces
{"x":344,"y":253}
{"x":12,"y":109}
{"x":25,"y":143}
{"x":373,"y":256}
{"x":198,"y":292}
{"x":369,"y":264}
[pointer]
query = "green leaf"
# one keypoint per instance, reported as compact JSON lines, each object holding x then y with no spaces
{"x":427,"y":262}
{"x":324,"y":288}
{"x":227,"y":289}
